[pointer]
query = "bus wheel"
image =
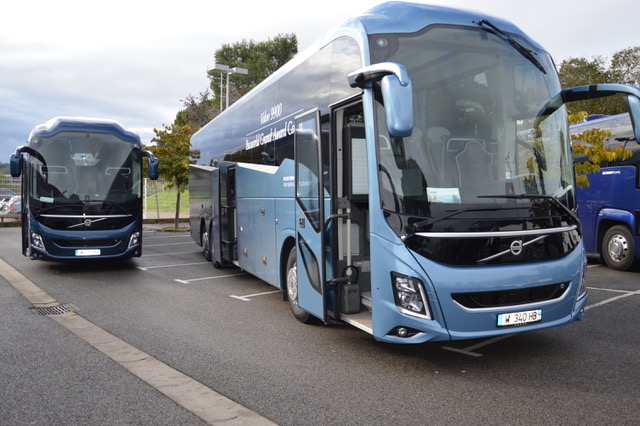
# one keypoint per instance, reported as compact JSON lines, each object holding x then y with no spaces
{"x":292,"y":289}
{"x":618,"y":248}
{"x":206,"y":243}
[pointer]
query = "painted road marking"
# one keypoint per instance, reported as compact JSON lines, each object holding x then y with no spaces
{"x":146,"y":268}
{"x":248,"y":297}
{"x":209,"y":278}
{"x":192,"y":395}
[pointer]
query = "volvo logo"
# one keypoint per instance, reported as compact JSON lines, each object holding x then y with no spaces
{"x":88,"y":222}
{"x":516,"y":247}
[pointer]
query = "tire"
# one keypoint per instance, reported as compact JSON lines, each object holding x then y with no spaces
{"x":291,"y":285}
{"x":618,"y":248}
{"x":206,"y":243}
{"x":207,"y":248}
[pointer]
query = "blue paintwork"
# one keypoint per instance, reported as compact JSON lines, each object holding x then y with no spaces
{"x":61,"y":124}
{"x":54,"y":251}
{"x":270,"y":188}
{"x":613,"y":197}
{"x":49,"y":235}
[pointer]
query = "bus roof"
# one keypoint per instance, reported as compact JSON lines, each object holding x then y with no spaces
{"x":81,"y":124}
{"x":388,"y":17}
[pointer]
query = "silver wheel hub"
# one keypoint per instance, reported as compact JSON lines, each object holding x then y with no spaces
{"x":618,"y":248}
{"x":292,"y":285}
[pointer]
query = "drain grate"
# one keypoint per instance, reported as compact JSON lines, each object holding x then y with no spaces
{"x":56,"y":310}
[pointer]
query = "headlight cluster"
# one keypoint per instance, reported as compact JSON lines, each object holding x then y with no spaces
{"x":36,"y":241}
{"x":134,"y":240}
{"x":410,"y":296}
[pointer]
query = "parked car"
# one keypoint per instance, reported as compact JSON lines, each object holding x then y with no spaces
{"x":14,"y":205}
{"x":6,"y":194}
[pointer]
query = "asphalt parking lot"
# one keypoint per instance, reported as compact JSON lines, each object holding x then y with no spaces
{"x":234,"y":334}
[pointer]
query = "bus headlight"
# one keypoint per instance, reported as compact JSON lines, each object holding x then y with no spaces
{"x":134,"y":240}
{"x":36,"y":241}
{"x":410,"y":296}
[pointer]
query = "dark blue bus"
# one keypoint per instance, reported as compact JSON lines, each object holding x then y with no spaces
{"x":81,"y":189}
{"x":609,"y":208}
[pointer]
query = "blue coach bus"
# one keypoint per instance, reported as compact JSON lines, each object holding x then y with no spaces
{"x":410,"y":174}
{"x":609,"y":208}
{"x":81,"y":189}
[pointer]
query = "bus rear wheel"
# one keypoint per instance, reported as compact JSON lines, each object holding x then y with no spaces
{"x":206,"y":243}
{"x":207,"y":247}
{"x":618,"y":248}
{"x":292,"y":288}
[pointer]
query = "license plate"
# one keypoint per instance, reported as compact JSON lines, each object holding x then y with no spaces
{"x":519,"y":318}
{"x":88,"y":252}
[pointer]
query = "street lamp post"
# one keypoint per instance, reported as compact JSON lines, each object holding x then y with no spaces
{"x":229,"y":71}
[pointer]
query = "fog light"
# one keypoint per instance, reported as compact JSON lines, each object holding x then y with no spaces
{"x":582,"y":290}
{"x":36,"y":241}
{"x":134,"y":240}
{"x":410,"y":296}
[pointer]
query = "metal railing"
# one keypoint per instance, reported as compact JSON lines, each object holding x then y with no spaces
{"x":159,"y":201}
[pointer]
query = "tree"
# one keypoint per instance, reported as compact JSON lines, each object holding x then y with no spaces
{"x":579,"y":72}
{"x":173,"y":150}
{"x":197,"y":112}
{"x":261,"y":59}
{"x":626,"y":66}
{"x":591,"y":144}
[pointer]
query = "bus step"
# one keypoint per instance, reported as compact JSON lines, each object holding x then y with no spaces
{"x":365,"y":299}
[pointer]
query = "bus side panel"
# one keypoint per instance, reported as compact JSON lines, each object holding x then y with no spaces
{"x":612,"y":188}
{"x":256,"y":238}
{"x":259,"y":189}
{"x":200,"y":199}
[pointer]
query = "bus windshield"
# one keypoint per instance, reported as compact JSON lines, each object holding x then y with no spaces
{"x":479,"y":143}
{"x":71,"y":171}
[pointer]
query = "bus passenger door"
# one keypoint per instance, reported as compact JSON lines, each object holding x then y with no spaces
{"x":309,"y":215}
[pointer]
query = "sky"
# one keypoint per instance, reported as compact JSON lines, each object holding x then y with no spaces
{"x":135,"y":61}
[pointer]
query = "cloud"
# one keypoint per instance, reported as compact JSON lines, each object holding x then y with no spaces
{"x":134,"y":61}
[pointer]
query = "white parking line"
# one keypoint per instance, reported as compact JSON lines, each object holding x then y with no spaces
{"x":171,"y":254}
{"x":469,"y":349}
{"x":248,"y":296}
{"x":209,"y":278}
{"x":611,"y":299}
{"x":168,"y":244}
{"x":192,"y":395}
{"x":146,"y":268}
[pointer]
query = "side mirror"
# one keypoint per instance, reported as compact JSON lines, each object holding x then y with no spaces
{"x":633,"y":102}
{"x":153,"y":165}
{"x":398,"y":102}
{"x":15,"y":162}
{"x":397,"y":92}
{"x":600,"y":90}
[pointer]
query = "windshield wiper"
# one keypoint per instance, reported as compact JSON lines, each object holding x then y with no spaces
{"x":113,"y":204}
{"x":428,"y":222}
{"x":527,"y":53}
{"x":57,"y":206}
{"x":551,"y":198}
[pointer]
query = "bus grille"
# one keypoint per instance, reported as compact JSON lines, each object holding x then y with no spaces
{"x":87,"y":243}
{"x":494,"y":299}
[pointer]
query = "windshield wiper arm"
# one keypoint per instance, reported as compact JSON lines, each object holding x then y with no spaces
{"x":113,"y":204}
{"x":527,"y":53}
{"x":427,"y":222}
{"x":551,"y":198}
